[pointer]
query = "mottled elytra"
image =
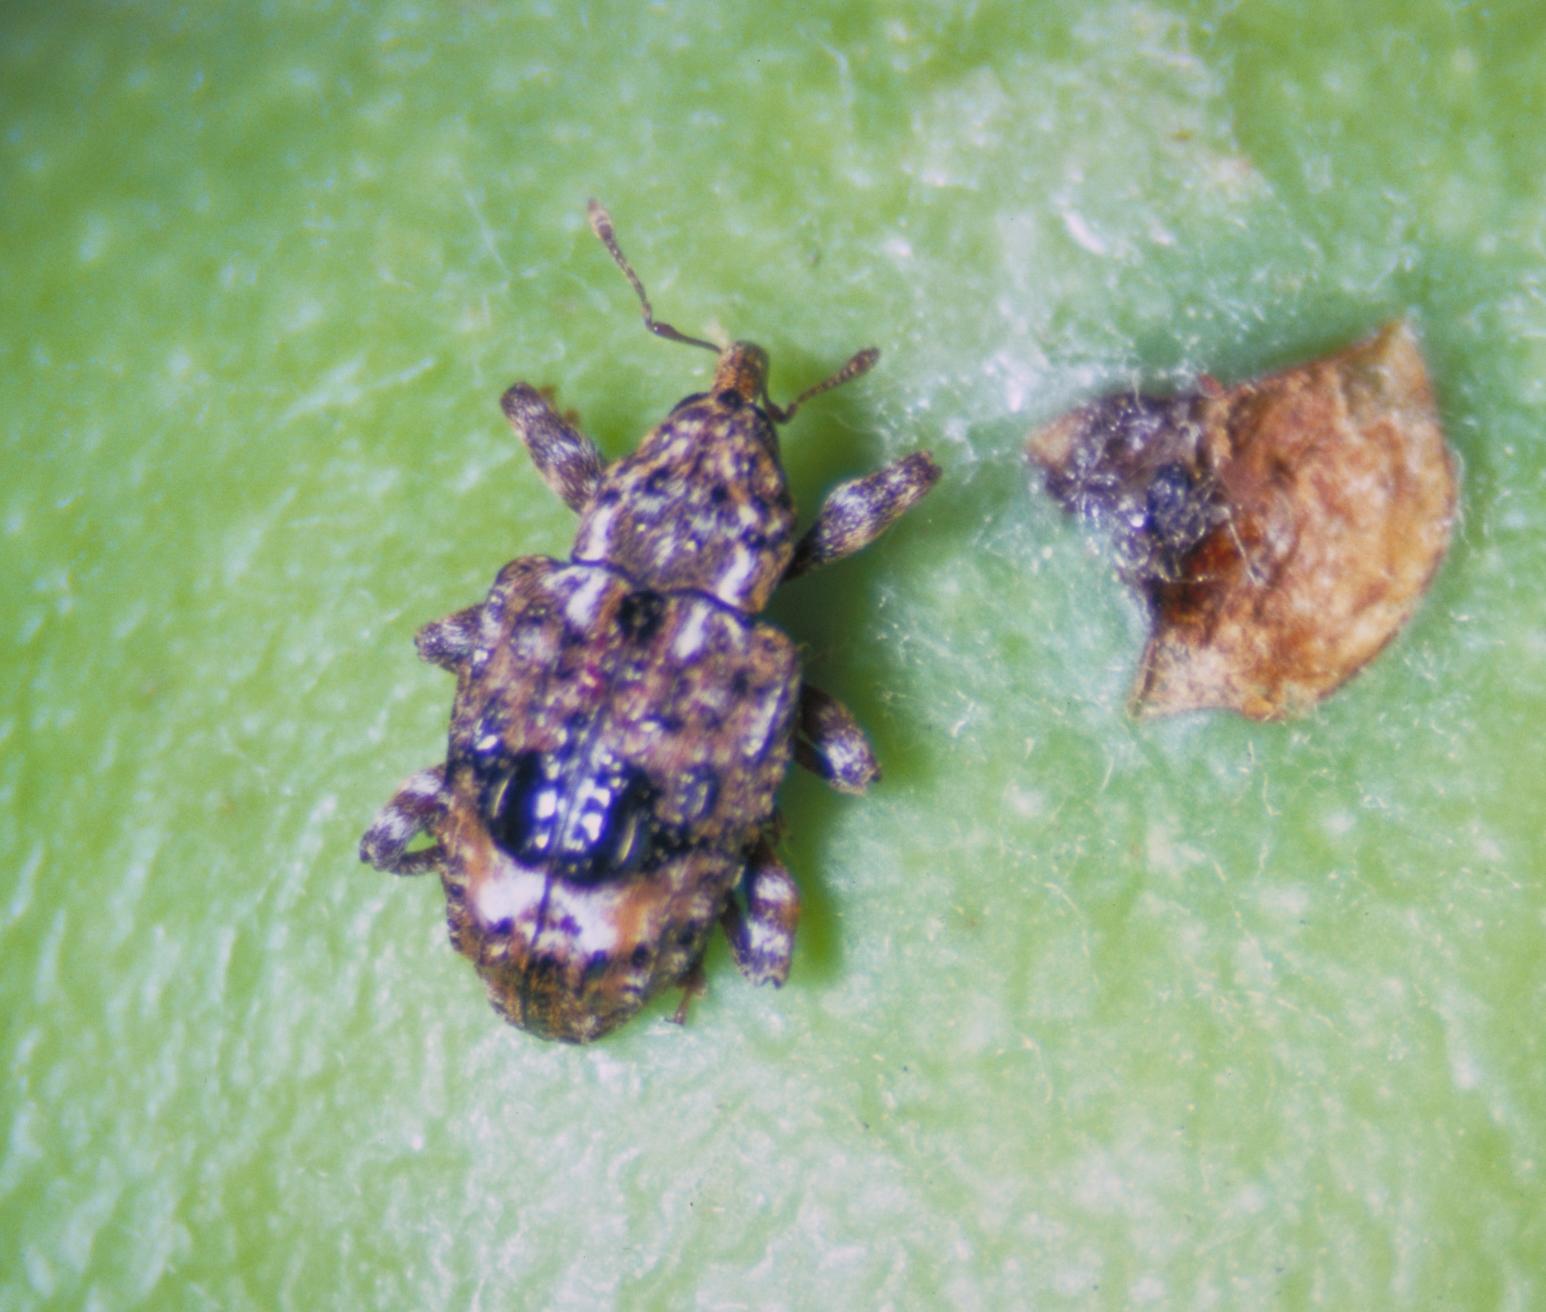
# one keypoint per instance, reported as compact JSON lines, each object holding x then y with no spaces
{"x":623,"y":718}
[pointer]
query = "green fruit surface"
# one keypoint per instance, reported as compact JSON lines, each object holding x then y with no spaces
{"x":1085,"y":1012}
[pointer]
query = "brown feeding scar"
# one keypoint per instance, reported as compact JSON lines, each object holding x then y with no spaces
{"x":1281,"y":530}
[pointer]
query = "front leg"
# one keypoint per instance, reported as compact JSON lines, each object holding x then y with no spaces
{"x":762,"y":939}
{"x":567,"y":460}
{"x":413,"y":808}
{"x":829,"y":742}
{"x":857,"y":512}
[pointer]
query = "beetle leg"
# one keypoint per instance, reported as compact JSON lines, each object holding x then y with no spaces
{"x":829,"y":742}
{"x":762,"y":938}
{"x":413,"y":808}
{"x":859,"y":511}
{"x":567,"y":460}
{"x":449,"y":642}
{"x":693,"y":985}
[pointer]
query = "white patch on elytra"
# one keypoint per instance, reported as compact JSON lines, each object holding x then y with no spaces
{"x":513,"y":893}
{"x":689,"y":640}
{"x":591,"y":912}
{"x":741,"y":569}
{"x":760,"y":727}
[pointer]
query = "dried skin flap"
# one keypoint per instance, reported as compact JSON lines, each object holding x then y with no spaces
{"x":1329,"y":497}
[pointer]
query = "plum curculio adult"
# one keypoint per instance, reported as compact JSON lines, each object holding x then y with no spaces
{"x":623,"y":719}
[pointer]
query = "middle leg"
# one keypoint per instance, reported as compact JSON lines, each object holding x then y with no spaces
{"x":829,"y":742}
{"x":450,"y":641}
{"x":762,"y":938}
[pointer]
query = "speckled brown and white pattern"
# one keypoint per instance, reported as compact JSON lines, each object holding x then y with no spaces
{"x":701,"y":505}
{"x":565,"y":960}
{"x":576,"y":660}
{"x":762,"y":940}
{"x":857,"y":512}
{"x":623,"y":720}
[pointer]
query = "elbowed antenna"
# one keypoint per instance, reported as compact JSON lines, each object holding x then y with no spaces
{"x":861,"y":363}
{"x":601,"y":225}
{"x":742,"y":352}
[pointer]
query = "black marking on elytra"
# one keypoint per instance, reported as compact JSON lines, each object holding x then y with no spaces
{"x":587,"y":823}
{"x":639,"y":614}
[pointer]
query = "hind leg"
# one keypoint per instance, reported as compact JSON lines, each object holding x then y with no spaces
{"x":413,"y":808}
{"x":762,"y":938}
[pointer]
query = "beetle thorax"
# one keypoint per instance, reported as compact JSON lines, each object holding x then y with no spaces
{"x":703,"y":503}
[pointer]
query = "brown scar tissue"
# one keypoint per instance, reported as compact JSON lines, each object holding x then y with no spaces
{"x":1281,"y":530}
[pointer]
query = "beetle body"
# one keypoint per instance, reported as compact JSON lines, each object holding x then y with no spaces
{"x":623,"y":720}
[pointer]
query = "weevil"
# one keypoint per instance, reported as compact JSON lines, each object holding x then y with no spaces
{"x":623,"y":719}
